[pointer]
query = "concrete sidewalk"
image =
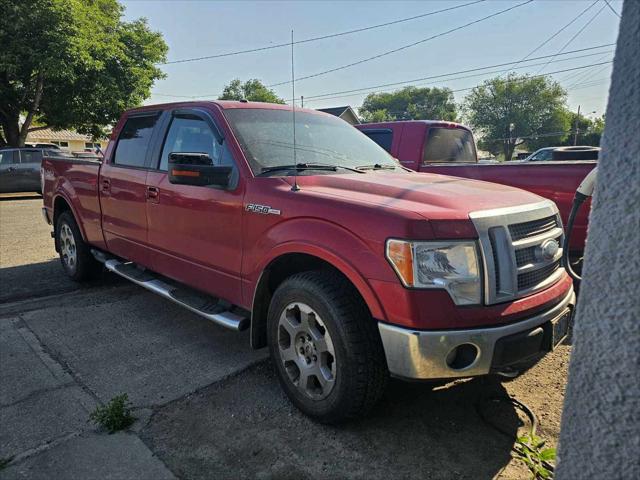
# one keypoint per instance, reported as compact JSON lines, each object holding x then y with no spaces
{"x":76,"y":351}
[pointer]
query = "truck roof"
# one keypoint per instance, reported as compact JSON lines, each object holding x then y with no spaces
{"x":433,"y":123}
{"x":224,"y":104}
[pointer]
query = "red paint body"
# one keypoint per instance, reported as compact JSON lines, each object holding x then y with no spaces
{"x":556,"y":181}
{"x":205,"y":238}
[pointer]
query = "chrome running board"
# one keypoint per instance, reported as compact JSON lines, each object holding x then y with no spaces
{"x":211,"y":308}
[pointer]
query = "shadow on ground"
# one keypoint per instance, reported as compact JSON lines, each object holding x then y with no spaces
{"x":245,"y":427}
{"x":42,"y":279}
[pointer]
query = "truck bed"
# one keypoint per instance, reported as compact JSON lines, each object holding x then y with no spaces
{"x":75,"y":179}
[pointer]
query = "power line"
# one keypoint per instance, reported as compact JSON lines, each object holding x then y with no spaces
{"x":470,"y":88}
{"x":612,"y":9}
{"x":575,"y":35}
{"x":395,"y":50}
{"x":322,"y":37}
{"x":558,"y":32}
{"x":373,"y":87}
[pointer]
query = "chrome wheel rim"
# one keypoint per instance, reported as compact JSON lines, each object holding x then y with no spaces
{"x":306,"y":350}
{"x":68,"y":247}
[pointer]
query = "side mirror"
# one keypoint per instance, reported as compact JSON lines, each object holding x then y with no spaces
{"x":186,"y":168}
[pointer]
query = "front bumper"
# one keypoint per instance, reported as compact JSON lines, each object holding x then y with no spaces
{"x":420,"y":354}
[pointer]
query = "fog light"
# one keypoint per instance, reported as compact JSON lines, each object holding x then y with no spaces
{"x":462,"y":356}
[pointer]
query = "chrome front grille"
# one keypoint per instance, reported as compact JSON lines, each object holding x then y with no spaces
{"x":534,"y":227}
{"x":517,"y":246}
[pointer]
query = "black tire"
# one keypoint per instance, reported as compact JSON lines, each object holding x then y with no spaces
{"x":85,"y":266}
{"x":360,"y":367}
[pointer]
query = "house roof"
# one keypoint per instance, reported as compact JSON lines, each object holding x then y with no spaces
{"x":337,"y":111}
{"x":57,"y":135}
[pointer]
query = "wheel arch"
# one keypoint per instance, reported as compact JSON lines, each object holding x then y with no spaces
{"x":287,"y":264}
{"x":62,"y":204}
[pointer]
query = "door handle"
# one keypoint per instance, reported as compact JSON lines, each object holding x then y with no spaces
{"x":106,"y":185}
{"x":153,"y":194}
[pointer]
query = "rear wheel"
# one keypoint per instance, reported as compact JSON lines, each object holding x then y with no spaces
{"x":75,"y":256}
{"x":326,"y":347}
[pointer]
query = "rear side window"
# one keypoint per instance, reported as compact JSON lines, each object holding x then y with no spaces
{"x":6,"y":156}
{"x":131,"y":150}
{"x":446,"y":145}
{"x":384,"y":138}
{"x":30,"y":156}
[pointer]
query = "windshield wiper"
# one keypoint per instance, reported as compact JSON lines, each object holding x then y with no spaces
{"x":377,"y":166}
{"x":307,"y":166}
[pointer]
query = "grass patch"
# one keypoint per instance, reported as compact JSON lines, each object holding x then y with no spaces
{"x":530,"y":450}
{"x":115,"y":415}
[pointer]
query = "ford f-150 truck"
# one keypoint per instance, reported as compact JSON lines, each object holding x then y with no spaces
{"x":448,"y":148}
{"x":346,"y":265}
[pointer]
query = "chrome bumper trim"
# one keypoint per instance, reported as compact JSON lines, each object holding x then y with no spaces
{"x":419,"y":354}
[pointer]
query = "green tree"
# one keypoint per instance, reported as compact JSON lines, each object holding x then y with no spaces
{"x":72,"y":64}
{"x":506,"y":112}
{"x":252,"y":90}
{"x":409,"y":103}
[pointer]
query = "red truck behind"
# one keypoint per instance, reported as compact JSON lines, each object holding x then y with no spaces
{"x":448,"y":148}
{"x":346,"y":265}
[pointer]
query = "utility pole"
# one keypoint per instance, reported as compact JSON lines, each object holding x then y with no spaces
{"x":575,"y":132}
{"x":301,"y":101}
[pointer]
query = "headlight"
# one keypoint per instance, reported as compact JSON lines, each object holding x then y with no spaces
{"x":452,"y":266}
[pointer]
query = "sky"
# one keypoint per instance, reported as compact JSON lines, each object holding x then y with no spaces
{"x":195,"y":28}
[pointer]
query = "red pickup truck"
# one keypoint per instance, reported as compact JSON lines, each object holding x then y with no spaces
{"x":448,"y":148}
{"x":346,"y":265}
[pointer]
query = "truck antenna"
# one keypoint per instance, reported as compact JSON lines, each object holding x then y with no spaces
{"x":295,"y":186}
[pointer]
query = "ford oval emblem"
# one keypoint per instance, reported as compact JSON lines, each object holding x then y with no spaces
{"x":548,"y":249}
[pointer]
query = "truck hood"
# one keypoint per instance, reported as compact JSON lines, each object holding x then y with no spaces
{"x":429,"y":195}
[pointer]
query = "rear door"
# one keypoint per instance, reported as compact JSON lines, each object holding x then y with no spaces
{"x":196,"y":230}
{"x":122,"y":186}
{"x":29,"y":169}
{"x":9,"y":160}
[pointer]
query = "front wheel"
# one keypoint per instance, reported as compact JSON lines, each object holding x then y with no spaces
{"x":75,"y":256}
{"x":326,"y":347}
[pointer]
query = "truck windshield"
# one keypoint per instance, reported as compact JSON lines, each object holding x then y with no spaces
{"x":266,"y":137}
{"x":444,"y":145}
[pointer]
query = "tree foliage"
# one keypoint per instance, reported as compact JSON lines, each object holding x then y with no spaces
{"x":72,"y":64}
{"x":409,"y":103}
{"x":507,"y":112}
{"x":253,"y":90}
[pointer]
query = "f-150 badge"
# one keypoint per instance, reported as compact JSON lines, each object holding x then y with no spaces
{"x":263,"y":209}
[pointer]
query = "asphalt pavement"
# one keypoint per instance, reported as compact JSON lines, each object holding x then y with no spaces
{"x":207,"y":406}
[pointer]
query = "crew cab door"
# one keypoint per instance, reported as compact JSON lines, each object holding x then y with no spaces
{"x":123,"y":186}
{"x":195,"y":231}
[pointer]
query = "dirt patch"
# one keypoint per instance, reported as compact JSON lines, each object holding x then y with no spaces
{"x":245,"y":427}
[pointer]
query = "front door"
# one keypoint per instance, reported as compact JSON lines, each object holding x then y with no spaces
{"x":29,"y":169}
{"x":196,"y":231}
{"x":122,"y":186}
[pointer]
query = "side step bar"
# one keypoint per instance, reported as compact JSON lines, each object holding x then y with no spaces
{"x":204,"y":305}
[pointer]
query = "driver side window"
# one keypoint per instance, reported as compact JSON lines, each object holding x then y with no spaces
{"x":192,"y":134}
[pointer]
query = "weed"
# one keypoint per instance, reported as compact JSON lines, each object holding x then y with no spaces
{"x":530,"y":450}
{"x":115,"y":415}
{"x":4,"y":462}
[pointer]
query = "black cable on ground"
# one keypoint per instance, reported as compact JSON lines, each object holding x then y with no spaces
{"x":520,"y":406}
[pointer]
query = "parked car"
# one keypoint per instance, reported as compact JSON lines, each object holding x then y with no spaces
{"x":346,"y":265}
{"x":86,"y":154}
{"x":580,"y":152}
{"x":449,"y":148}
{"x":48,"y":146}
{"x":20,"y":168}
